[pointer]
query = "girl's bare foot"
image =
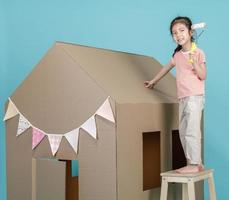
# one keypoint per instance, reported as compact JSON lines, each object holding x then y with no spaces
{"x":190,"y":169}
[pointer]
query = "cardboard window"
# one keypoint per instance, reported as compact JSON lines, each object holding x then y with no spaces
{"x":75,"y":168}
{"x":151,"y":160}
{"x":72,"y":186}
{"x":178,"y":156}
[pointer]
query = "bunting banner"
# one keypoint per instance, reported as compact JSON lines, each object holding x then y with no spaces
{"x":11,"y":111}
{"x":72,"y":136}
{"x":23,"y":125}
{"x":90,"y":126}
{"x":54,"y":140}
{"x":37,"y":137}
{"x":105,"y":111}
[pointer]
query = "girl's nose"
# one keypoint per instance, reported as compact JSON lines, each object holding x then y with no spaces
{"x":178,"y":34}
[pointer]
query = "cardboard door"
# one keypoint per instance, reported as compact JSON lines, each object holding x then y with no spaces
{"x":48,"y":179}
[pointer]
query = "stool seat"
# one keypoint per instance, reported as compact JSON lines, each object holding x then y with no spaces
{"x":187,"y":180}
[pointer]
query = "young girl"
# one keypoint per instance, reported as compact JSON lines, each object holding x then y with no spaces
{"x":190,"y":75}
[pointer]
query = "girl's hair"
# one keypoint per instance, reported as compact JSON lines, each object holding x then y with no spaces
{"x":187,"y":22}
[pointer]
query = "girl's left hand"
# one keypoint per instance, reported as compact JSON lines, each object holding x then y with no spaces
{"x":194,"y":60}
{"x":193,"y":57}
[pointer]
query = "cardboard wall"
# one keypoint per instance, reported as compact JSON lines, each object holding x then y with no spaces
{"x":138,"y":119}
{"x":57,"y":97}
{"x":132,"y":121}
{"x":97,"y":163}
{"x":19,"y":162}
{"x":50,"y":176}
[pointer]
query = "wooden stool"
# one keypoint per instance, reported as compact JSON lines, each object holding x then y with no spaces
{"x":187,"y":181}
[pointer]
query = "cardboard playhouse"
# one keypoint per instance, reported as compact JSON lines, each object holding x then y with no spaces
{"x":90,"y":105}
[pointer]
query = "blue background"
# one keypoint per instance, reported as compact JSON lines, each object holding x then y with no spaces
{"x":29,"y":28}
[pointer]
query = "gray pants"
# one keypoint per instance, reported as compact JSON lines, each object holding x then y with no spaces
{"x":190,"y":113}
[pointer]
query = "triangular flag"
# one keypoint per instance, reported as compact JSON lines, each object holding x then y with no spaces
{"x":54,"y":140}
{"x":105,"y":111}
{"x":11,"y":111}
{"x":23,"y":125}
{"x":90,"y":126}
{"x":37,"y":137}
{"x":73,"y":137}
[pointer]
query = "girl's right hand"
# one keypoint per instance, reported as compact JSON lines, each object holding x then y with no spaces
{"x":149,"y":84}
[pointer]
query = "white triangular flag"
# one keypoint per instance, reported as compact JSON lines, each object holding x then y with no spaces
{"x":90,"y":126}
{"x":23,"y":125}
{"x":11,"y":111}
{"x":73,"y":137}
{"x":105,"y":111}
{"x":54,"y":140}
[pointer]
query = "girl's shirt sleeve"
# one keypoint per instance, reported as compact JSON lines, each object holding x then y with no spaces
{"x":172,"y":61}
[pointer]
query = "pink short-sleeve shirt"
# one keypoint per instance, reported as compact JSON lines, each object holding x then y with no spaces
{"x":188,"y":83}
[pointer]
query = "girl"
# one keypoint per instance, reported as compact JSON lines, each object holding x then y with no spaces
{"x":190,"y":76}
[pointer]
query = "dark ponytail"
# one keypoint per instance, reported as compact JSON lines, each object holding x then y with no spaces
{"x":179,"y":47}
{"x":187,"y":22}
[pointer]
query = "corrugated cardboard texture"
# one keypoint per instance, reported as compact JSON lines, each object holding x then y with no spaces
{"x":97,"y":164}
{"x":19,"y":162}
{"x":57,"y":97}
{"x":122,"y":74}
{"x":132,"y":121}
{"x":50,"y":179}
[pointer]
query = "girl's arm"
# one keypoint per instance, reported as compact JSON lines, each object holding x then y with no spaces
{"x":199,"y":69}
{"x":159,"y":76}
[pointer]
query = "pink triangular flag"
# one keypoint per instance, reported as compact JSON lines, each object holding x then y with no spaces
{"x":73,"y":137}
{"x":90,"y":126}
{"x":11,"y":111}
{"x":54,"y":140}
{"x":23,"y":125}
{"x":105,"y":111}
{"x":37,"y":137}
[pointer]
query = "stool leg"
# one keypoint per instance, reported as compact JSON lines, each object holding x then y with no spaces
{"x":164,"y":189}
{"x":191,"y":191}
{"x":211,"y":186}
{"x":184,"y":191}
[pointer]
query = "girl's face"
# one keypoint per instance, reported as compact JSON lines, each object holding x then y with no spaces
{"x":181,"y":34}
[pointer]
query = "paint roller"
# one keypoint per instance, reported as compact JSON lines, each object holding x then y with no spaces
{"x":194,"y":27}
{"x":198,"y":26}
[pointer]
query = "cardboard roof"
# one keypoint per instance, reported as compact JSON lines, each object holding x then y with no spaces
{"x":121,"y":74}
{"x":71,"y":82}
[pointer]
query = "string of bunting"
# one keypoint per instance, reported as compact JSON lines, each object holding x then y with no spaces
{"x":72,"y":136}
